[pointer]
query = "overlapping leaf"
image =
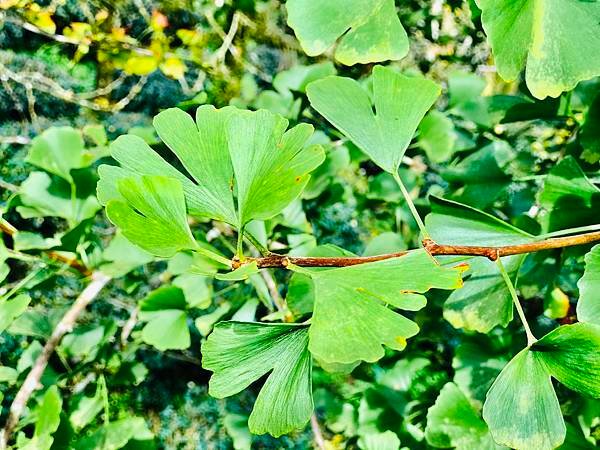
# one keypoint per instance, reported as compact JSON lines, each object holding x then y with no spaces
{"x":152,"y":214}
{"x":244,"y":165}
{"x":400,"y":103}
{"x":352,"y":318}
{"x":240,"y":353}
{"x":484,"y":301}
{"x":453,"y":422}
{"x":521,"y":408}
{"x":369,"y":30}
{"x":556,"y":41}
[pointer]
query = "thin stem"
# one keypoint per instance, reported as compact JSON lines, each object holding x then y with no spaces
{"x":264,"y":251}
{"x":570,"y":231}
{"x":240,"y":244}
{"x":412,"y":207}
{"x":531,"y":339}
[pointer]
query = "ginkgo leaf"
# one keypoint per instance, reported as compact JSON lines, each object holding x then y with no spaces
{"x":485,"y":300}
{"x":400,"y":102}
{"x":588,"y":306}
{"x":453,"y":422}
{"x":164,"y":310}
{"x":352,"y":318}
{"x":244,"y":164}
{"x":58,"y":150}
{"x":11,"y":309}
{"x":44,"y":197}
{"x":153,"y":214}
{"x":239,"y":353}
{"x":572,"y":356}
{"x":556,"y":41}
{"x":521,"y":408}
{"x":370,"y":30}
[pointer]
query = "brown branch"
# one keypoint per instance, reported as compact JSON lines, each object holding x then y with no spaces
{"x":492,"y":253}
{"x":32,"y":381}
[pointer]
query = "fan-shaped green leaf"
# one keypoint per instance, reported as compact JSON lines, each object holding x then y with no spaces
{"x":588,"y":306}
{"x":244,"y":164}
{"x":240,"y":353}
{"x":352,"y":318}
{"x":557,"y":41}
{"x":400,"y":103}
{"x":521,"y":408}
{"x":153,"y":214}
{"x":370,"y":30}
{"x":572,"y":355}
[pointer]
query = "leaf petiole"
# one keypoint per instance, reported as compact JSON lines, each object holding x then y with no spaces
{"x":411,"y":206}
{"x":531,"y":339}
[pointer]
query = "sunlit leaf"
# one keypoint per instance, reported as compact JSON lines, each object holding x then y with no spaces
{"x":370,"y":31}
{"x":400,"y":102}
{"x":153,"y":216}
{"x":556,"y":41}
{"x":366,"y":293}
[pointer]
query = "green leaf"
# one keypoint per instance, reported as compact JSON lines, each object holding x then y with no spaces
{"x":268,"y":180}
{"x":8,"y":375}
{"x":387,"y":440}
{"x":556,"y":40}
{"x":364,"y":293}
{"x":239,"y":274}
{"x":48,"y":412}
{"x":588,"y":306}
{"x":572,"y":356}
{"x":400,"y":103}
{"x":240,"y":353}
{"x":227,"y":151}
{"x":202,"y":149}
{"x":58,"y":150}
{"x":370,"y":31}
{"x":521,"y":408}
{"x":164,"y":310}
{"x":153,"y":216}
{"x":237,"y":428}
{"x":45,"y":197}
{"x":116,"y":435}
{"x":568,"y":198}
{"x":122,"y":256}
{"x":453,"y":422}
{"x":482,"y":176}
{"x":11,"y":309}
{"x":87,"y":408}
{"x":437,"y":136}
{"x":484,"y":301}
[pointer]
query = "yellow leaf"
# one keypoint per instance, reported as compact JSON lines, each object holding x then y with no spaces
{"x":5,"y":4}
{"x":43,"y":20}
{"x":79,"y":31}
{"x":189,"y":37}
{"x":173,"y":67}
{"x":140,"y":65}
